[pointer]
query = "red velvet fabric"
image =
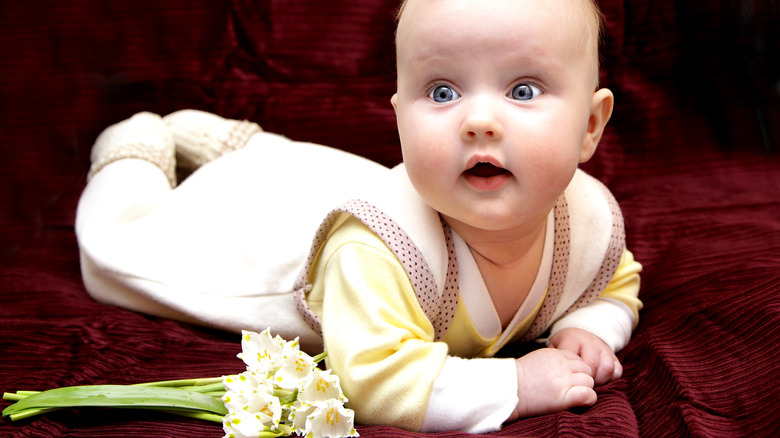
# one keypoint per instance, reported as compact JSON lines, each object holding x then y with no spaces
{"x":691,"y":155}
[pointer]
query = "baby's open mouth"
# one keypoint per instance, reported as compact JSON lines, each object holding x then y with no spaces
{"x":486,"y":170}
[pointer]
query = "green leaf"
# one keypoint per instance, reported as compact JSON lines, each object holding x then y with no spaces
{"x":117,"y":396}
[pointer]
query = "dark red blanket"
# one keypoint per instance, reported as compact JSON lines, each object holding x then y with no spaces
{"x":691,"y":155}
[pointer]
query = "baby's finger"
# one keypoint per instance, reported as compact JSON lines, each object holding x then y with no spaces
{"x":577,"y":365}
{"x":579,"y":396}
{"x":571,"y":355}
{"x":567,"y":344}
{"x":618,"y":373}
{"x":605,"y":370}
{"x":592,"y":356}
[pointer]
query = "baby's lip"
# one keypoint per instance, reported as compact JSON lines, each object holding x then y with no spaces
{"x":485,"y":170}
{"x":484,"y":167}
{"x":485,"y":174}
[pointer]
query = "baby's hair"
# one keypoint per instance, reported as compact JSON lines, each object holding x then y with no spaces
{"x":591,"y":7}
{"x":400,"y":11}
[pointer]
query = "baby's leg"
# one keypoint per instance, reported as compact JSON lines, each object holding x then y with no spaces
{"x":131,"y":156}
{"x":224,"y":247}
{"x":133,"y":170}
{"x":150,"y":246}
{"x":203,"y":137}
{"x":136,"y":231}
{"x":133,"y":164}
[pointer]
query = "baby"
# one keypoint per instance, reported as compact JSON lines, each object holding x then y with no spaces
{"x":487,"y":234}
{"x":497,"y":103}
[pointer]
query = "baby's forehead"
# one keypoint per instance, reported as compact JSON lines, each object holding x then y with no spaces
{"x":577,"y":22}
{"x":582,"y":13}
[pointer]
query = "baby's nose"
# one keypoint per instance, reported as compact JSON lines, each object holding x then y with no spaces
{"x":482,"y":121}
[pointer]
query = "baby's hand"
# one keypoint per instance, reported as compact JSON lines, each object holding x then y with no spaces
{"x":550,"y":380}
{"x":604,"y":364}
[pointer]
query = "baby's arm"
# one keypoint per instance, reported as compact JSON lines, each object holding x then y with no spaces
{"x":478,"y":395}
{"x":598,"y":330}
{"x":381,"y":345}
{"x":378,"y":340}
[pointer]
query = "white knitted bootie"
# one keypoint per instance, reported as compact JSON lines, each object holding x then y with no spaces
{"x":143,"y":136}
{"x":201,"y":137}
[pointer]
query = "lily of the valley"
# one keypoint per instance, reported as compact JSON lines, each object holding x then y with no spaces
{"x":282,"y":392}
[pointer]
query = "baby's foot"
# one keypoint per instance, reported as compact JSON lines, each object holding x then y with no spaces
{"x":551,"y":380}
{"x":202,"y":137}
{"x":143,"y":136}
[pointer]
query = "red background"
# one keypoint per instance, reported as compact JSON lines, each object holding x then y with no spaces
{"x":691,"y":154}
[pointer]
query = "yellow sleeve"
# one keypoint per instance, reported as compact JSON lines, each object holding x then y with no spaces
{"x":378,"y":340}
{"x":624,"y":285}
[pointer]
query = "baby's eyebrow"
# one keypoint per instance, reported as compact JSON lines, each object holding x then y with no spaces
{"x":430,"y":55}
{"x":432,"y":66}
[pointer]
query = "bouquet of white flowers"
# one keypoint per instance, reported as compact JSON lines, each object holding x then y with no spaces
{"x":282,"y":392}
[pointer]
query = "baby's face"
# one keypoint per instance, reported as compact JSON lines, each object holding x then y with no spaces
{"x":493,"y":104}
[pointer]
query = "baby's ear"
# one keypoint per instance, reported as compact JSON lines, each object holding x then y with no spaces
{"x":601,"y":105}
{"x":394,"y":101}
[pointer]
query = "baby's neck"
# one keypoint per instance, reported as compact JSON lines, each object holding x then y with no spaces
{"x":508,"y":261}
{"x":503,"y":247}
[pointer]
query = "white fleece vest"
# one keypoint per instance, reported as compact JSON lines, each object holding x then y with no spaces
{"x":589,"y":240}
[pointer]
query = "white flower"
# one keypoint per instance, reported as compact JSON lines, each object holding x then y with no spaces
{"x":242,"y":424}
{"x":330,"y":419}
{"x":319,"y":409}
{"x":253,"y":394}
{"x":283,"y":392}
{"x":299,"y":413}
{"x":267,"y":408}
{"x":249,"y":381}
{"x":320,"y":387}
{"x":240,"y":389}
{"x":295,"y":368}
{"x":261,"y":352}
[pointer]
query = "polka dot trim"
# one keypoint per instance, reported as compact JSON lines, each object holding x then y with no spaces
{"x":451,"y":294}
{"x":439,"y":312}
{"x":561,"y":260}
{"x":560,"y":266}
{"x":611,"y":259}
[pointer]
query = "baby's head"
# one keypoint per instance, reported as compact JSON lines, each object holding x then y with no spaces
{"x":497,"y":103}
{"x":587,"y":10}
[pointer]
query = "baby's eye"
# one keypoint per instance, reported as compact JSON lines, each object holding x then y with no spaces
{"x":525,"y":92}
{"x":443,"y":94}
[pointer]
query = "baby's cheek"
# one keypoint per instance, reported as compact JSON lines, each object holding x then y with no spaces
{"x":427,"y":158}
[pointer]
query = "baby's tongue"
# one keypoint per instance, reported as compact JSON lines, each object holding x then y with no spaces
{"x":486,"y":170}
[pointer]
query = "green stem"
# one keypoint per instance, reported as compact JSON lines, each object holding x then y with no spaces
{"x":183,"y":382}
{"x":283,"y":430}
{"x":205,"y":388}
{"x":19,"y":395}
{"x":27,"y":413}
{"x":286,"y":396}
{"x":318,"y":358}
{"x":206,"y":416}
